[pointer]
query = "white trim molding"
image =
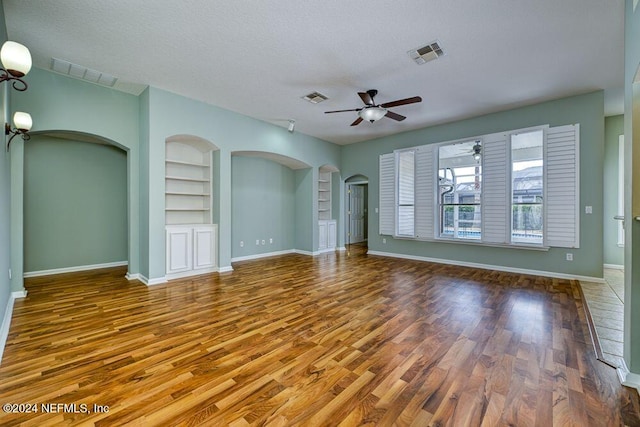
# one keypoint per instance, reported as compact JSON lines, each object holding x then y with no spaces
{"x":6,"y":320}
{"x":490,"y":267}
{"x":74,"y":269}
{"x":301,"y":252}
{"x":264,"y":255}
{"x":628,"y":378}
{"x":132,"y":276}
{"x":151,"y":282}
{"x":614,"y":266}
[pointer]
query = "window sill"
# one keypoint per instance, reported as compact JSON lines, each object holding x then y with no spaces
{"x":491,"y":245}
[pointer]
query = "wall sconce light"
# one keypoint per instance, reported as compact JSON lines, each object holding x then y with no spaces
{"x":477,"y":151}
{"x":292,"y":125}
{"x":22,"y":122}
{"x":16,"y":61}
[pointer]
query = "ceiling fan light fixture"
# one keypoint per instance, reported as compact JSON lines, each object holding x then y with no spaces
{"x":477,"y":151}
{"x":371,"y":114}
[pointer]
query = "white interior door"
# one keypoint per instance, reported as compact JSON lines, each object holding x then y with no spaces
{"x":356,"y":213}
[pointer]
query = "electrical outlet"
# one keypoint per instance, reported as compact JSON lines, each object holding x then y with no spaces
{"x":569,"y":257}
{"x":271,"y":241}
{"x":384,"y":241}
{"x":588,"y":209}
{"x":257,"y":242}
{"x":242,"y":243}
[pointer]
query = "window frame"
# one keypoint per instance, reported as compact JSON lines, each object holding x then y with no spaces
{"x":438,"y":206}
{"x":543,"y":242}
{"x":560,"y":143}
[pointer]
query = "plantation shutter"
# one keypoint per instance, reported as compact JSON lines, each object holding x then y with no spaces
{"x":406,"y":193}
{"x":562,"y":187}
{"x":425,"y":195}
{"x":387,"y":190}
{"x":496,"y":185}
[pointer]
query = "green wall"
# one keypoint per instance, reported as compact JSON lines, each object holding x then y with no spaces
{"x":614,"y":127}
{"x":262,"y":206}
{"x":306,"y":216}
{"x":75,"y":204}
{"x":5,"y":199}
{"x":170,"y":115}
{"x":587,"y":110}
{"x":59,"y":103}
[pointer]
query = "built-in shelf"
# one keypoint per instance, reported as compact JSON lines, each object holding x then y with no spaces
{"x":184,"y":193}
{"x":327,"y":227}
{"x":184,"y":178}
{"x":180,"y":162}
{"x":187,"y":184}
{"x":324,"y":195}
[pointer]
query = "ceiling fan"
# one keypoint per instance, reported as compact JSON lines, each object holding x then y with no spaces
{"x":372,"y":111}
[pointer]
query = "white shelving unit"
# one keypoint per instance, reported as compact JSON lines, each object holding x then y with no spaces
{"x":191,"y":236}
{"x":187,"y":184}
{"x":326,"y":224}
{"x":324,"y":195}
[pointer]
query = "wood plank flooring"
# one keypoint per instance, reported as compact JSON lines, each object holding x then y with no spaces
{"x":333,"y":340}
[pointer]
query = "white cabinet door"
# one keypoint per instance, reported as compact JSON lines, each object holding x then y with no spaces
{"x":332,"y":234}
{"x":204,"y":239}
{"x":179,"y":255}
{"x":322,"y":235}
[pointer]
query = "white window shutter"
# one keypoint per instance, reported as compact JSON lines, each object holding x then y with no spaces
{"x":387,"y":202}
{"x":406,"y":179}
{"x":425,"y":194}
{"x":496,"y":186}
{"x":562,"y":187}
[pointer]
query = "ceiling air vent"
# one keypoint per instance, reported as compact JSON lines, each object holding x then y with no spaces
{"x":426,"y":53}
{"x":315,"y":97}
{"x":83,"y":73}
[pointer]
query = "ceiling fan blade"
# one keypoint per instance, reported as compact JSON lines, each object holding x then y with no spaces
{"x":343,"y":111}
{"x":399,"y":102}
{"x":357,"y":121}
{"x":366,"y":98}
{"x":394,"y":116}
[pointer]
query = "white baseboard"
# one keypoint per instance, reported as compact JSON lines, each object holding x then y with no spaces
{"x":74,"y":269}
{"x":301,"y":252}
{"x":225,"y":269}
{"x":614,"y":266}
{"x":490,"y":267}
{"x":628,"y":378}
{"x":132,"y":276}
{"x":19,"y":294}
{"x":258,"y":256}
{"x":6,"y":320}
{"x":151,"y":282}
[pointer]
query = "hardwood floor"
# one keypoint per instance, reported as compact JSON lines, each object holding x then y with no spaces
{"x":339,"y":340}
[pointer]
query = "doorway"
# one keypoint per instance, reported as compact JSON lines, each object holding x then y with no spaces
{"x":357,"y":193}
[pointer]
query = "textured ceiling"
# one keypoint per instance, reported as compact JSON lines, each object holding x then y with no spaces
{"x":259,"y":57}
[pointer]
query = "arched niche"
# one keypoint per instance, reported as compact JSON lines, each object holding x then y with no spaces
{"x":289,"y":162}
{"x":78,"y":204}
{"x":190,"y":180}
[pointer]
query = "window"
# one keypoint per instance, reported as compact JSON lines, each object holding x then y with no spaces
{"x":527,"y":187}
{"x":406,"y":194}
{"x":460,"y":190}
{"x":514,"y":188}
